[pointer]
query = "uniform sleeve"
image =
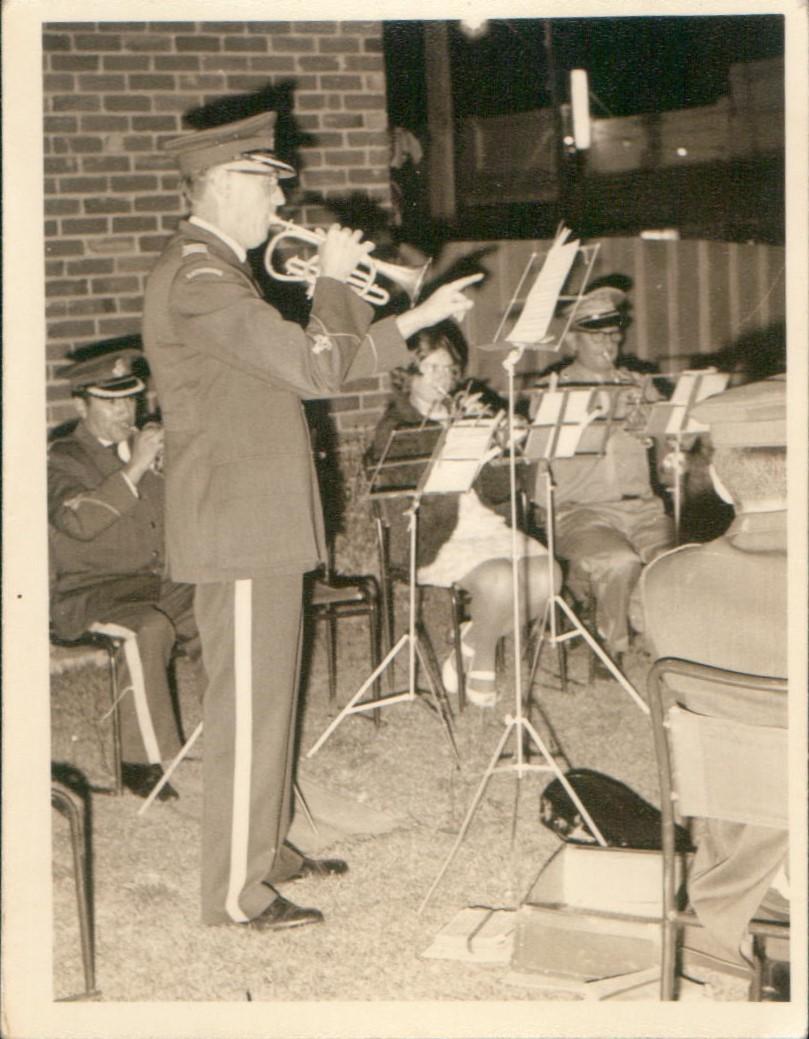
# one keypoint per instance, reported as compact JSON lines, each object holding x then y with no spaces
{"x":655,"y":585}
{"x":217,"y":309}
{"x":79,"y":511}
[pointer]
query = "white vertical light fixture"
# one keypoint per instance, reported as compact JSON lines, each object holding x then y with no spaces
{"x":580,"y":105}
{"x":474,"y":26}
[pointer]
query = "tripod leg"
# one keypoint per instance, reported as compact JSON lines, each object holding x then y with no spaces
{"x":169,"y":772}
{"x":469,"y":815}
{"x":597,"y":649}
{"x":353,"y":706}
{"x":426,"y":656}
{"x":571,"y":793}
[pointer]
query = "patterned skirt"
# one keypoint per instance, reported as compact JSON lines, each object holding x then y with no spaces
{"x":480,"y":535}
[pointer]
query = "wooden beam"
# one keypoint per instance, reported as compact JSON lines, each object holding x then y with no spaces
{"x":440,"y":122}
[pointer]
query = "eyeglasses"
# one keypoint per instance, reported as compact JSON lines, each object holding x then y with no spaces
{"x":435,"y":369}
{"x":611,"y":333}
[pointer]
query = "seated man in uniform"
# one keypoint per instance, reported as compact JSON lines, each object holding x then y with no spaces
{"x":724,"y":603}
{"x":609,"y":521}
{"x":105,"y":511}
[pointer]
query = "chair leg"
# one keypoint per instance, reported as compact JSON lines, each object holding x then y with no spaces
{"x":561,"y":657}
{"x":668,"y":960}
{"x":117,"y":762}
{"x":757,"y":980}
{"x":374,"y":637}
{"x":67,"y":802}
{"x":331,"y":652}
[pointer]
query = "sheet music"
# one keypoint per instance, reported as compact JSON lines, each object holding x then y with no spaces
{"x":460,"y":456}
{"x":568,"y":414}
{"x":540,"y":303}
{"x":672,"y":417}
{"x":403,"y":461}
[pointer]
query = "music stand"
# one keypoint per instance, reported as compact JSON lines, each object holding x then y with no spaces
{"x":517,"y":723}
{"x":672,"y":419}
{"x":574,"y":421}
{"x":461,"y":449}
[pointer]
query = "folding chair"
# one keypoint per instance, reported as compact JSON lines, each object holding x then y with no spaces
{"x":713,"y":766}
{"x":71,"y":805}
{"x":336,"y":595}
{"x":111,"y":645}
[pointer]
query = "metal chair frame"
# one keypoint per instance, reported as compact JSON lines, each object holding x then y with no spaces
{"x":338,"y":595}
{"x":111,"y":645}
{"x":71,"y":805}
{"x":675,"y":919}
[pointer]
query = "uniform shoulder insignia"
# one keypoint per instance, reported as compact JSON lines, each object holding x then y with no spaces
{"x":196,"y":271}
{"x":321,"y":342}
{"x":194,"y":247}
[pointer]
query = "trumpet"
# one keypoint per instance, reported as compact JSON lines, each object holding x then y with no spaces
{"x":362,"y":279}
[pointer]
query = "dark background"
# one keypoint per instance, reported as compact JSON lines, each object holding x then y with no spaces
{"x":635,"y":65}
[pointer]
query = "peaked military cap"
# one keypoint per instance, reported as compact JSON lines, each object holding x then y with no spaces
{"x":753,"y":415}
{"x":602,"y":309}
{"x":247,"y":145}
{"x":106,"y":369}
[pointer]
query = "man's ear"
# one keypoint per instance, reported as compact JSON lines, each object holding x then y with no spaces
{"x":219,"y":182}
{"x":80,"y":405}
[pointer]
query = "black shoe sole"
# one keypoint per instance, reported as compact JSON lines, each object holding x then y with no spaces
{"x":283,"y":925}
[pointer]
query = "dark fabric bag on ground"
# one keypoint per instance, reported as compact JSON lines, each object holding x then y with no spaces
{"x":624,"y":818}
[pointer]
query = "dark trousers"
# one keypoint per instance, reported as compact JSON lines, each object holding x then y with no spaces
{"x":251,"y":643}
{"x":149,"y":730}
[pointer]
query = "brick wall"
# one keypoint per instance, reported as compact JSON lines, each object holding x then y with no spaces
{"x":113,"y":91}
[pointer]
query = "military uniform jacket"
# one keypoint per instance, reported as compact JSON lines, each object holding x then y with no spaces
{"x":724,"y":603}
{"x":241,"y":490}
{"x":106,"y":543}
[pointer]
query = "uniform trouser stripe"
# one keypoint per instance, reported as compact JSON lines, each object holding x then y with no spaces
{"x":139,"y":698}
{"x":250,"y":633}
{"x":243,"y":744}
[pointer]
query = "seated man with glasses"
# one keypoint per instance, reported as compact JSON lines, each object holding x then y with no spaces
{"x":609,"y":521}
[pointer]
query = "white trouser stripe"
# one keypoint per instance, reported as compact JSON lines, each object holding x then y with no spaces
{"x":133,"y":661}
{"x":243,"y":744}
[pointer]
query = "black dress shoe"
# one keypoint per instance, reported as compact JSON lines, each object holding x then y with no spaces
{"x":320,"y":868}
{"x":142,"y":779}
{"x":282,"y":914}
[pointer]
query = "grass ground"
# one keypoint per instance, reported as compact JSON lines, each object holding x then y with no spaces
{"x":150,"y":945}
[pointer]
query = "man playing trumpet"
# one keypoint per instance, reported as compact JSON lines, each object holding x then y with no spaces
{"x":105,"y":511}
{"x":243,"y":514}
{"x":609,"y":521}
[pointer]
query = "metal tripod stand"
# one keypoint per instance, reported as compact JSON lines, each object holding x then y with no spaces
{"x":516,"y":724}
{"x":414,"y":641}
